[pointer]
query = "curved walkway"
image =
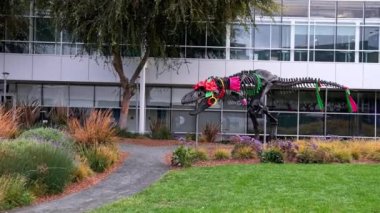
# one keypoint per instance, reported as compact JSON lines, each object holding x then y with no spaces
{"x":143,"y":166}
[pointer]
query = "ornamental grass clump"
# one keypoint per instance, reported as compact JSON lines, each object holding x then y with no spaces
{"x":98,"y":128}
{"x":13,"y":192}
{"x":182,"y":157}
{"x":9,"y":123}
{"x":43,"y":165}
{"x":100,"y":157}
{"x":210,"y":132}
{"x":222,"y":154}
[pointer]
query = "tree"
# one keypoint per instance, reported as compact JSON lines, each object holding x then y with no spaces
{"x":113,"y":27}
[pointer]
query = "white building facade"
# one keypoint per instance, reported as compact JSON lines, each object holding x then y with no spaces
{"x":332,"y":40}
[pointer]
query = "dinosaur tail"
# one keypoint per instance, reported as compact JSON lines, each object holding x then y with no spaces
{"x":294,"y":83}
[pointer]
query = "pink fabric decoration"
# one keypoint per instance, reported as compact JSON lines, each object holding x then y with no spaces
{"x":235,"y":83}
{"x":353,"y":105}
{"x":244,"y":102}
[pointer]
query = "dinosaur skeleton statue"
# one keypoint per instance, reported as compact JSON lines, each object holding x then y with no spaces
{"x":250,"y":88}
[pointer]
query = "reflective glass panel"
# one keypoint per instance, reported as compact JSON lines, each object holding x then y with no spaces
{"x":108,"y":97}
{"x":324,"y":37}
{"x":300,"y":55}
{"x":56,"y":96}
{"x":262,"y":36}
{"x":216,"y":35}
{"x":345,"y":56}
{"x":301,"y":32}
{"x":308,"y":101}
{"x":195,"y":52}
{"x":132,"y":123}
{"x":216,"y":53}
{"x":241,"y":53}
{"x":196,"y":36}
{"x":295,"y":8}
{"x":158,"y":97}
{"x":369,"y":57}
{"x":372,"y":10}
{"x":369,"y":38}
{"x":183,"y":122}
{"x":27,"y":93}
{"x":283,"y":100}
{"x":16,"y":47}
{"x":327,"y":56}
{"x":234,"y":122}
{"x":280,"y":55}
{"x":208,"y":117}
{"x":261,"y":55}
{"x":157,"y":115}
{"x":287,"y":123}
{"x":240,"y":36}
{"x":177,"y":94}
{"x":45,"y":30}
{"x":349,"y":9}
{"x":81,"y":96}
{"x":345,"y":39}
{"x":322,"y":9}
{"x":350,"y":125}
{"x":21,"y":33}
{"x":311,"y":124}
{"x":47,"y":48}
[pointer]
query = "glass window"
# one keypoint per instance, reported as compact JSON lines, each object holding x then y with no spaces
{"x":311,"y":124}
{"x":183,"y":122}
{"x":234,"y":122}
{"x":158,"y":97}
{"x":216,"y":53}
{"x":107,"y":97}
{"x":260,"y":120}
{"x":336,"y":101}
{"x":216,"y":35}
{"x":47,"y":48}
{"x":16,"y":47}
{"x":27,"y":93}
{"x":280,"y":55}
{"x":81,"y":96}
{"x":195,"y":52}
{"x":349,"y":9}
{"x":372,"y":10}
{"x":287,"y":123}
{"x":369,"y":38}
{"x":322,"y":56}
{"x":132,"y":123}
{"x":345,"y":56}
{"x":280,"y":36}
{"x":324,"y":37}
{"x":208,"y":117}
{"x":345,"y":39}
{"x":301,"y":32}
{"x":241,"y":53}
{"x":55,"y":96}
{"x":196,"y":36}
{"x":369,"y":57}
{"x":365,"y":101}
{"x":240,"y":36}
{"x":177,"y":95}
{"x":45,"y":30}
{"x":162,"y":116}
{"x":300,"y":55}
{"x":261,"y":55}
{"x":308,"y":101}
{"x":322,"y":9}
{"x":295,"y":8}
{"x":21,"y":33}
{"x":261,"y":36}
{"x":350,"y":125}
{"x":283,"y":100}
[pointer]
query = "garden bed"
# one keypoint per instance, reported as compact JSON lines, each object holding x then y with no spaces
{"x":150,"y":142}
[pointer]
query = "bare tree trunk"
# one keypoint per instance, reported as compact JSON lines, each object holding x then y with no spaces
{"x":123,"y":120}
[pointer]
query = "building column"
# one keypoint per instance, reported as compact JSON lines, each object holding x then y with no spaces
{"x":142,"y":101}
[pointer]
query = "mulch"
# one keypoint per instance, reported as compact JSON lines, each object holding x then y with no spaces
{"x":85,"y":183}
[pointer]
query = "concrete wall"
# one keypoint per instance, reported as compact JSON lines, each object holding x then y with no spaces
{"x":179,"y":71}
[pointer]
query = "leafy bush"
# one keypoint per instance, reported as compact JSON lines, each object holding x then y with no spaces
{"x":342,"y":156}
{"x":375,"y":155}
{"x":210,"y":132}
{"x":13,"y":192}
{"x":159,"y":130}
{"x":9,"y":124}
{"x":288,"y":149}
{"x":125,"y":134}
{"x":100,"y":157}
{"x":182,"y":157}
{"x":50,"y":135}
{"x":40,"y":163}
{"x":272,"y":155}
{"x":255,"y":144}
{"x":242,"y":151}
{"x":222,"y":154}
{"x":200,"y":155}
{"x":313,"y":154}
{"x":98,"y":128}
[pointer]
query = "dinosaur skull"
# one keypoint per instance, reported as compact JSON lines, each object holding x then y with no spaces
{"x":205,"y":94}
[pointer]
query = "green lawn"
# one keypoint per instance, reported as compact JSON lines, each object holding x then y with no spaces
{"x":261,"y":188}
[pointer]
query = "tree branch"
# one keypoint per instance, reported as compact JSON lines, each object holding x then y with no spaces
{"x":118,"y":66}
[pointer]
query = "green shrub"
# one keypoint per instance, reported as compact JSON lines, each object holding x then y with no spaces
{"x":183,"y":157}
{"x":222,"y":154}
{"x":100,"y":157}
{"x":342,"y":156}
{"x":82,"y":169}
{"x":272,"y":155}
{"x":39,"y":162}
{"x":125,"y":134}
{"x":13,"y":192}
{"x":200,"y":155}
{"x":50,"y":135}
{"x":242,"y":151}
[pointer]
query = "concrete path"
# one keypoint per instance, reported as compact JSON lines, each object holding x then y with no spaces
{"x":143,"y":166}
